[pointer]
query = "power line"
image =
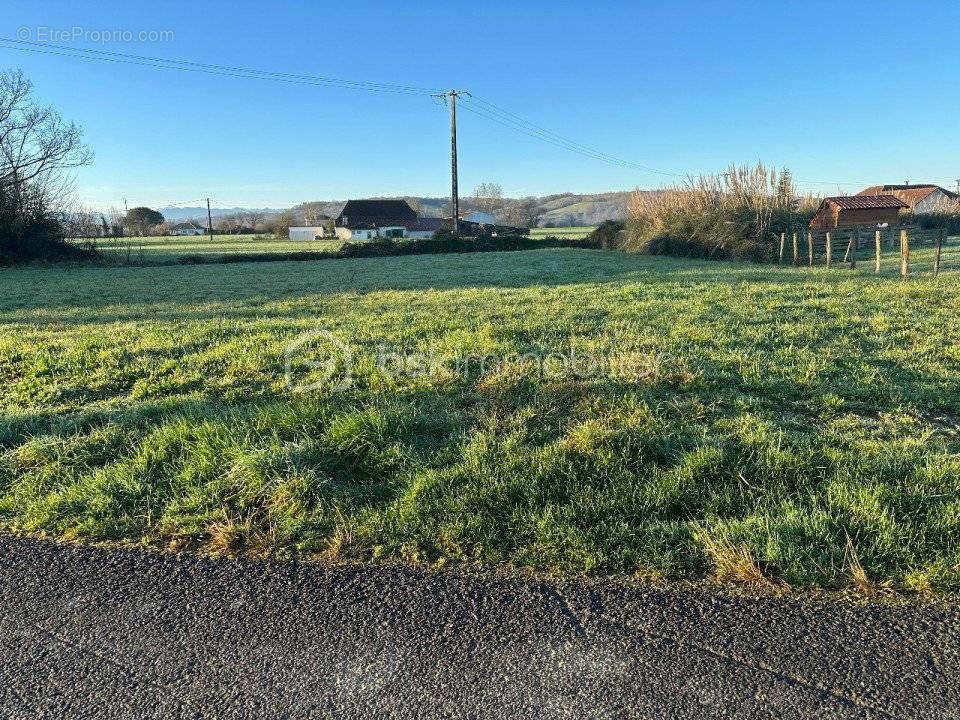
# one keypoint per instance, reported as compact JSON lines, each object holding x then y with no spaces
{"x":486,"y":109}
{"x":222,"y":70}
{"x":490,"y":111}
{"x":564,"y":144}
{"x":519,"y":121}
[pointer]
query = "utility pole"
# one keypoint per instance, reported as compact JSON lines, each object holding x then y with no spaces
{"x":451,"y":98}
{"x":209,"y":220}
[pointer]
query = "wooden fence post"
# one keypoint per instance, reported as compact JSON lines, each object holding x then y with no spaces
{"x":846,"y":254}
{"x":810,"y":247}
{"x":937,"y":253}
{"x":877,"y":243}
{"x":796,"y":250}
{"x":904,"y":253}
{"x":782,"y":241}
{"x":829,"y":249}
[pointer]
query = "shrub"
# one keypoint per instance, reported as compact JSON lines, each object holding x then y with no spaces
{"x":950,"y":221}
{"x":29,"y":231}
{"x":608,"y":235}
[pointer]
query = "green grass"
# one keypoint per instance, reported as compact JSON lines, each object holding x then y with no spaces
{"x":156,"y":250}
{"x":163,"y":249}
{"x":571,"y":233}
{"x":783,"y":423}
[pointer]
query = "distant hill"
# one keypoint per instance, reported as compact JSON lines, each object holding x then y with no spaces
{"x":564,"y":209}
{"x":572,"y":209}
{"x":179,"y":214}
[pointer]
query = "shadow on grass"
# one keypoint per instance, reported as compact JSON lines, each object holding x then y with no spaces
{"x":167,"y":293}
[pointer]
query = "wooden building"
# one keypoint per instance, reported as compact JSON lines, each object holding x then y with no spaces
{"x":846,"y":211}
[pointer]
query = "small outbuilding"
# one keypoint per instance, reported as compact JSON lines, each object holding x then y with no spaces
{"x":307,"y":232}
{"x":847,"y":211}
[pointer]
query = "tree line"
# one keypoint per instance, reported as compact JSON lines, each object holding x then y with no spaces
{"x":38,"y":152}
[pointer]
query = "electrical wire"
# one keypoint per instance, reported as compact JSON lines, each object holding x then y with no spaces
{"x":472,"y":103}
{"x":519,"y":121}
{"x":222,"y":70}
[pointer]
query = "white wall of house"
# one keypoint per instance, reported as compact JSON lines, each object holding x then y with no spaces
{"x":394,"y":231}
{"x":354,"y":234}
{"x":189,"y":231}
{"x":419,"y":234}
{"x":306,"y":232}
{"x":369,"y":234}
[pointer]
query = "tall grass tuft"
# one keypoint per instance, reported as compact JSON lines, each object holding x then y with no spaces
{"x":736,"y":214}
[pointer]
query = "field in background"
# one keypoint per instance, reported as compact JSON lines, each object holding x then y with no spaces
{"x":572,"y":233}
{"x":160,"y":249}
{"x":166,"y":249}
{"x":774,"y":425}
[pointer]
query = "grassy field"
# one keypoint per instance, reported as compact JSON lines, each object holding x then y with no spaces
{"x":167,"y":249}
{"x":759,"y":423}
{"x":161,"y":249}
{"x":573,"y":233}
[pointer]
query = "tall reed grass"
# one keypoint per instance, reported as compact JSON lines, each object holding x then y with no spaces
{"x":736,"y":214}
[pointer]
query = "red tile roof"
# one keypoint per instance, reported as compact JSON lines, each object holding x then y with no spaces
{"x":866,"y":202}
{"x":910,"y":194}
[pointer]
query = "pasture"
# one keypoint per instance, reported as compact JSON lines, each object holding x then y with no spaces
{"x":166,"y":249}
{"x":772,"y":424}
{"x":152,"y":250}
{"x":573,"y":233}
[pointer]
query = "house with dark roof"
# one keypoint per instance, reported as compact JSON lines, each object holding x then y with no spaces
{"x":847,"y":211}
{"x":368,"y":219}
{"x":923,"y":198}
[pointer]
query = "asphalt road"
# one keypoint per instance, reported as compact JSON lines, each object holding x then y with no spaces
{"x":91,"y":633}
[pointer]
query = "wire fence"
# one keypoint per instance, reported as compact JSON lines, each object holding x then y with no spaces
{"x":901,"y":250}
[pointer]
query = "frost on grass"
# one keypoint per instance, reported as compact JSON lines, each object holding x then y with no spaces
{"x":792,"y":426}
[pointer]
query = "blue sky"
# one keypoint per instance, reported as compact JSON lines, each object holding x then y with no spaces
{"x":844,"y":94}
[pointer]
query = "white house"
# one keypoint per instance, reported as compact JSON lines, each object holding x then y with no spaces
{"x":187,"y":228}
{"x":369,"y":219}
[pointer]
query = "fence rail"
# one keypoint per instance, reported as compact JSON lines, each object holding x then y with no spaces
{"x":843,"y":246}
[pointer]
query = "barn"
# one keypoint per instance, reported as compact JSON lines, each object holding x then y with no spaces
{"x":846,"y":211}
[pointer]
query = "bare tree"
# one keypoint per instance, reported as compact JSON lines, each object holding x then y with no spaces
{"x":37,"y":147}
{"x":488,"y":197}
{"x":37,"y":151}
